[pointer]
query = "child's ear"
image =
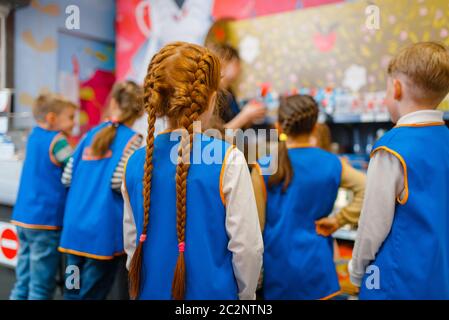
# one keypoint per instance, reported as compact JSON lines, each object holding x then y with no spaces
{"x":50,"y":118}
{"x":397,"y":89}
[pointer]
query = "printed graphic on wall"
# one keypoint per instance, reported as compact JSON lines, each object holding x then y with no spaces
{"x":37,"y":47}
{"x":86,"y":73}
{"x":144,"y":26}
{"x":161,"y":22}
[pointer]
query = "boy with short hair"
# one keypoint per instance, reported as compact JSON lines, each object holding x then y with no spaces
{"x":404,"y":227}
{"x":39,"y":208}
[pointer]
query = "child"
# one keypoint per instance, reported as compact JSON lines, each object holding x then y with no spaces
{"x":229,"y":111}
{"x":404,"y":227}
{"x":298,"y":258}
{"x":199,"y":236}
{"x":40,"y":202}
{"x":92,"y":235}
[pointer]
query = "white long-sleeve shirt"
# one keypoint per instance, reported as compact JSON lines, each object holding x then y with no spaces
{"x":242,"y":225}
{"x":385,"y":183}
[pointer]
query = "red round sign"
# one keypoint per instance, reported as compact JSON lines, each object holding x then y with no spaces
{"x":9,"y":243}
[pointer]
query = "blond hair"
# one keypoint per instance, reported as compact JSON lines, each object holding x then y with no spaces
{"x":49,"y":102}
{"x":426,"y":66}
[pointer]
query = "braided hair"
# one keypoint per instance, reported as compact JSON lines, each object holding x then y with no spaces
{"x":180,"y":82}
{"x":297,"y":115}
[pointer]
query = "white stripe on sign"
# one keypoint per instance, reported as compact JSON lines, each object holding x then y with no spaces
{"x":10,"y":244}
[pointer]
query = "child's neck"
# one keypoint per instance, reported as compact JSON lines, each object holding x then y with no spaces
{"x":299,"y":140}
{"x":46,"y":126}
{"x":129,"y":123}
{"x":407,"y":108}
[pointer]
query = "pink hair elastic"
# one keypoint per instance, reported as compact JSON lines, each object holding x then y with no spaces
{"x":181,"y":246}
{"x":114,"y":120}
{"x":143,"y":237}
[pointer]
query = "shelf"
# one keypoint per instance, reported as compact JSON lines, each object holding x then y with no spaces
{"x":360,"y":118}
{"x":367,"y":118}
{"x":343,"y":234}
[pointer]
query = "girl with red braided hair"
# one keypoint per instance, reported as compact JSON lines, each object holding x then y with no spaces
{"x":191,"y":229}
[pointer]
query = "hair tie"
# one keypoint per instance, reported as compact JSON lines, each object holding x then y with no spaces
{"x":181,"y":246}
{"x":143,"y":237}
{"x":283,"y":137}
{"x":115,"y":122}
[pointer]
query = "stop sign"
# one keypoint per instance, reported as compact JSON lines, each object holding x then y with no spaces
{"x":9,"y":243}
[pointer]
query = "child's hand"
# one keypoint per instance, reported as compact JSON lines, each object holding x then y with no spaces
{"x":327,"y":226}
{"x":254,"y":111}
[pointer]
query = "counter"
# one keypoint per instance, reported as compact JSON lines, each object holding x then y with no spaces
{"x":10,"y":171}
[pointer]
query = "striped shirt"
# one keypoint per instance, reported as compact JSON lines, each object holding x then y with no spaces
{"x":117,"y":176}
{"x":61,"y":149}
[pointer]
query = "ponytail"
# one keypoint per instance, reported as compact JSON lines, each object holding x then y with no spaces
{"x":284,"y":174}
{"x":103,"y":140}
{"x":298,"y":115}
{"x":128,"y":96}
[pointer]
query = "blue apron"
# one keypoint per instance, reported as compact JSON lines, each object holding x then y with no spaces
{"x":209,"y":271}
{"x":298,"y":263}
{"x":41,"y":198}
{"x":93,"y":219}
{"x":413,"y":261}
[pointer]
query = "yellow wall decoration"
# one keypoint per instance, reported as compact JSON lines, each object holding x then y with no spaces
{"x":331,"y":46}
{"x":51,"y":9}
{"x":48,"y":44}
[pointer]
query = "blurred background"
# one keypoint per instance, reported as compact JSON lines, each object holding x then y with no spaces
{"x":334,"y":50}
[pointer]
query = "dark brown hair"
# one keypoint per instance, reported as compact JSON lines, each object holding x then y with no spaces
{"x":324,"y":137}
{"x":179,"y":84}
{"x":297,"y":115}
{"x":128,"y":96}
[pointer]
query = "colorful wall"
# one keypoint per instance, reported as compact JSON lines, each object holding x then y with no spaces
{"x":283,"y":47}
{"x":332,"y":46}
{"x":144,"y":26}
{"x":38,"y":58}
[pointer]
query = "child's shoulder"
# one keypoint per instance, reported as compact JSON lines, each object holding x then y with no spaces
{"x":138,"y":154}
{"x":42,"y":136}
{"x":323,"y":155}
{"x":215,"y":143}
{"x":400,"y":134}
{"x":97,"y":128}
{"x":214,"y":139}
{"x":391,"y":135}
{"x":135,"y":162}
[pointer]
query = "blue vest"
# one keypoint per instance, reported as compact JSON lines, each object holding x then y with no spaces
{"x":413,"y":261}
{"x":41,"y":198}
{"x":93,"y":218}
{"x":209,"y":271}
{"x":298,"y":263}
